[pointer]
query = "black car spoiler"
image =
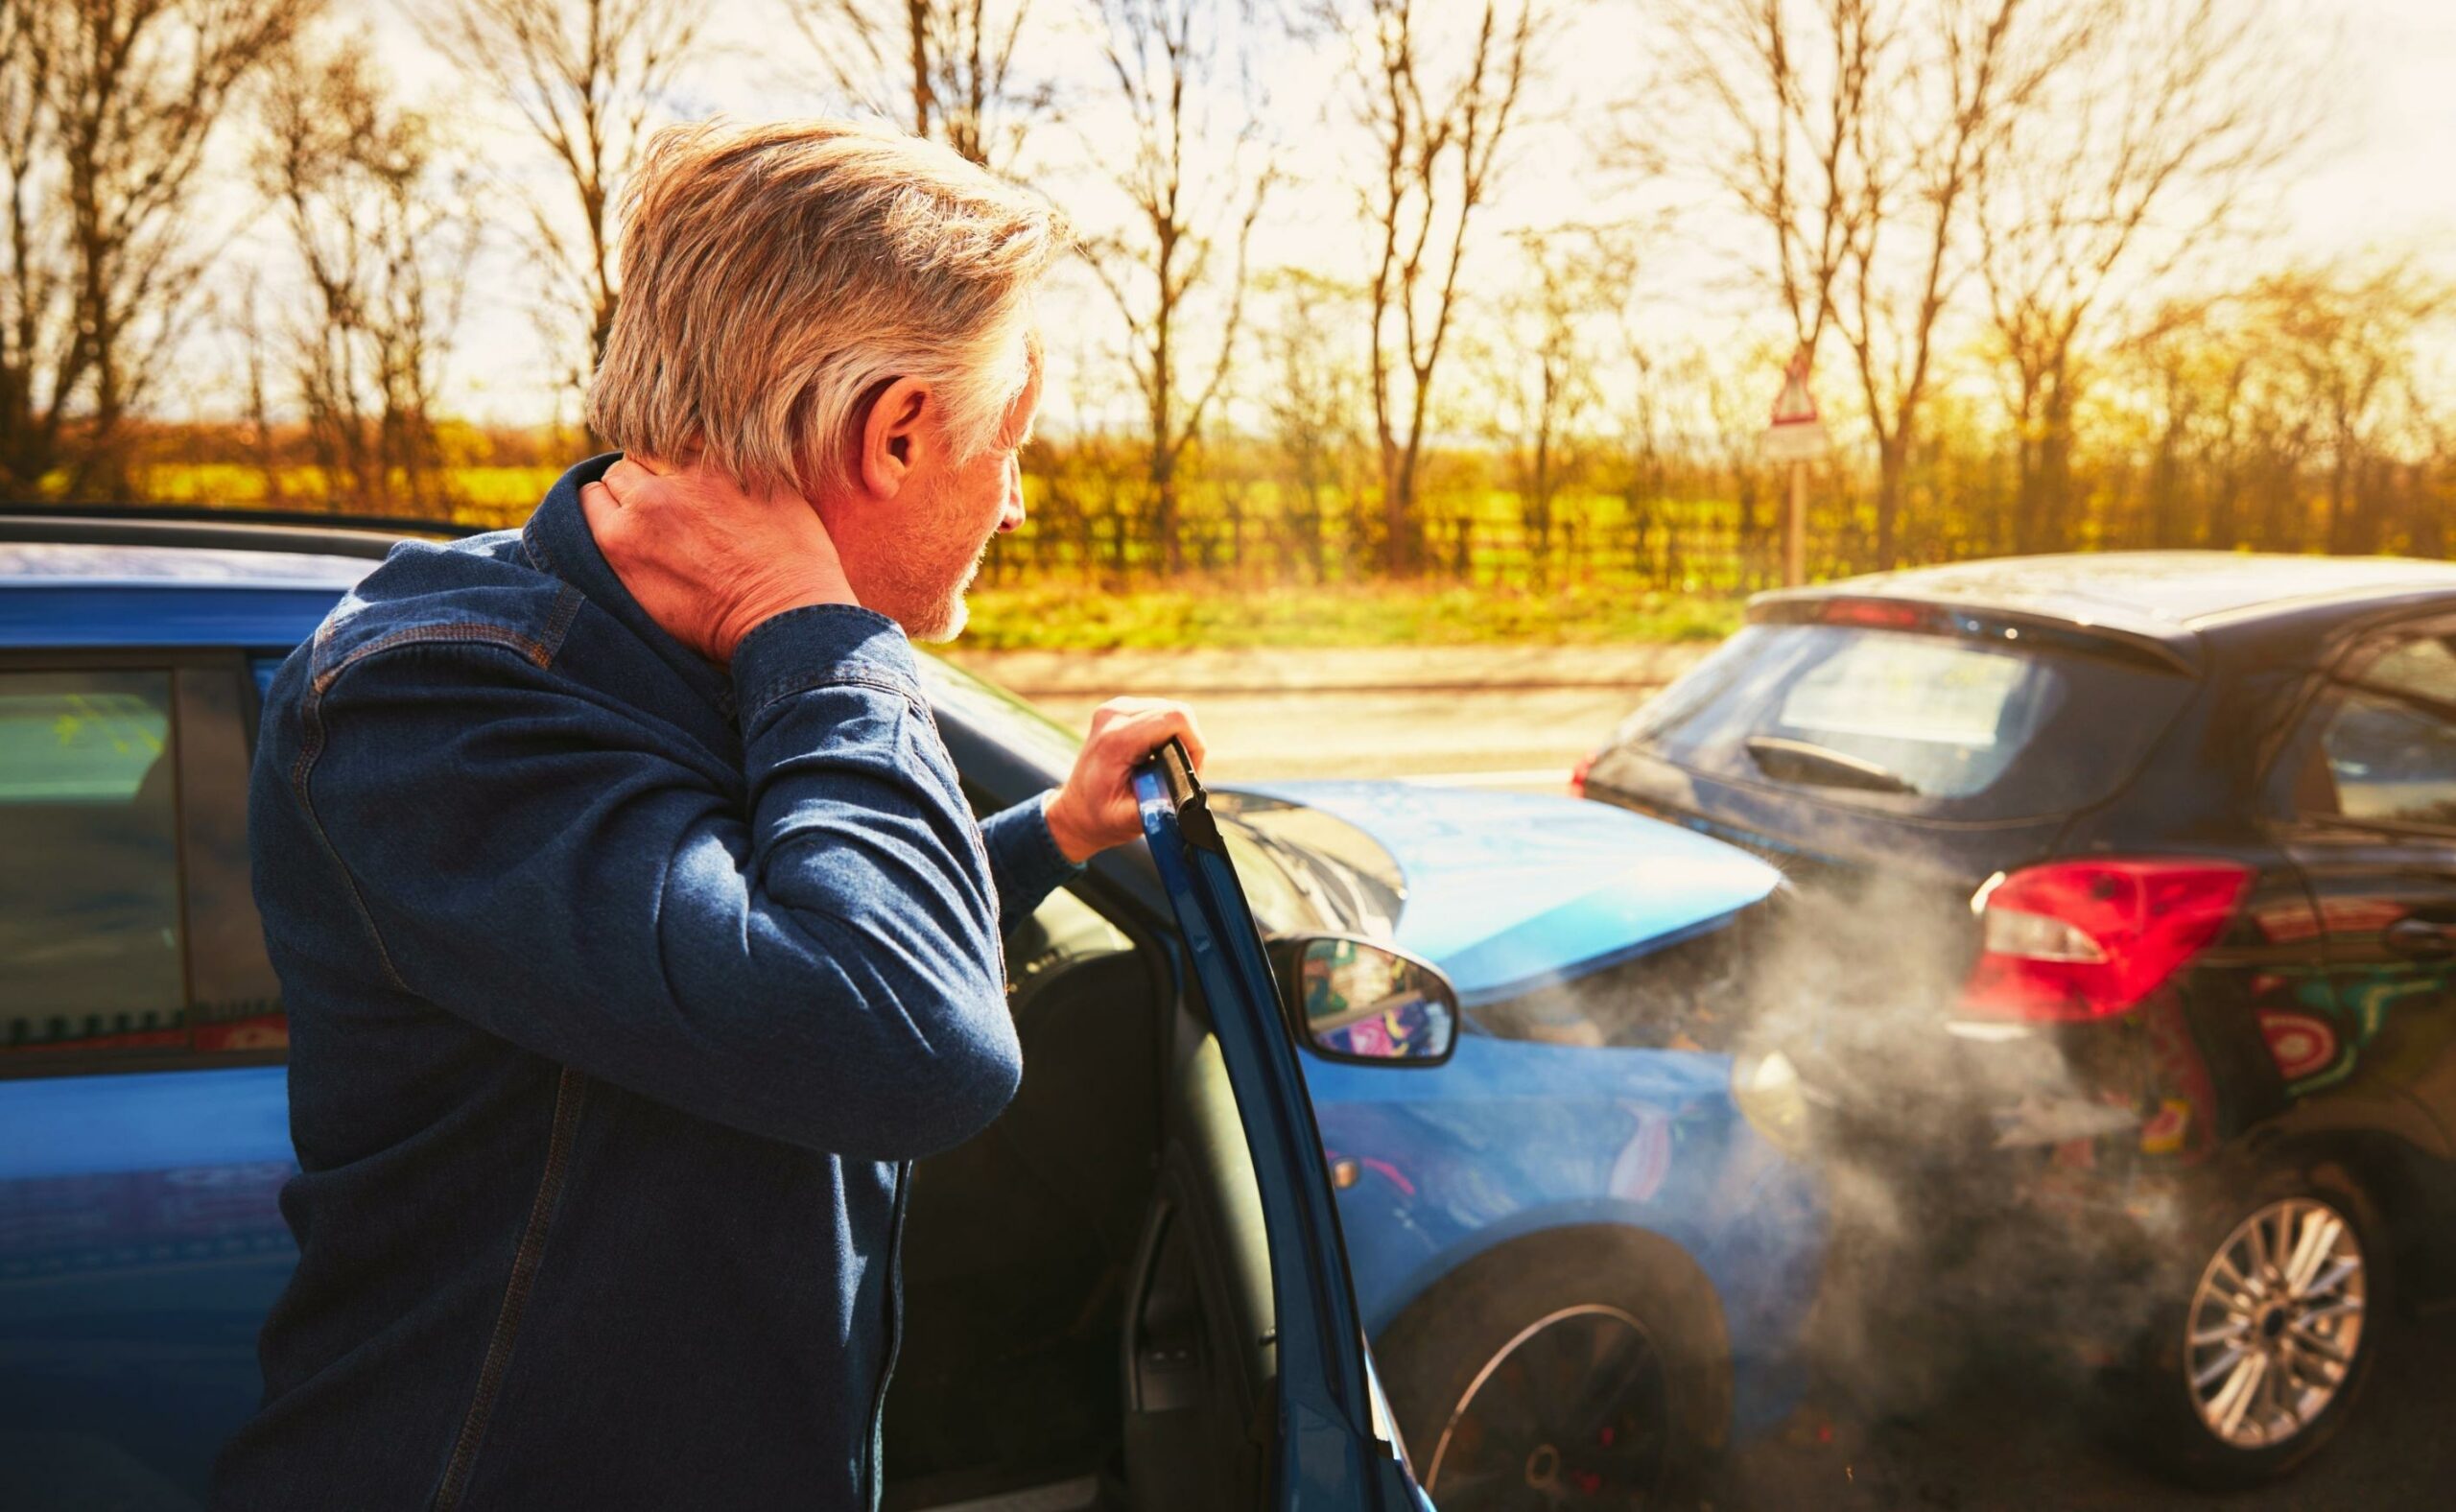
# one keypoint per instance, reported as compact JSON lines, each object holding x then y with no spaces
{"x":2169,"y":647}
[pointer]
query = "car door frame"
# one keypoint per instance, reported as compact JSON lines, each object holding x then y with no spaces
{"x":1328,"y":1447}
{"x":2299,"y":832}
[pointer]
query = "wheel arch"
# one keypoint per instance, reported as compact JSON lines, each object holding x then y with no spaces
{"x":1602,"y":1245}
{"x":2351,"y":1168}
{"x":1428,"y":1268}
{"x":2389,"y":1168}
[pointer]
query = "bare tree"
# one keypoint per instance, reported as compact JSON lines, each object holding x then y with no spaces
{"x":2289,"y":413}
{"x":1856,"y":134}
{"x":2435,"y":486}
{"x":1543,"y":362}
{"x":1728,"y":417}
{"x":944,"y":68}
{"x":1647,"y":427}
{"x":588,"y":78}
{"x":1791,"y":89}
{"x":106,"y":111}
{"x":2187,"y":380}
{"x":2350,"y":336}
{"x":380,"y":215}
{"x":1978,"y":68}
{"x":1312,"y":395}
{"x":1193,"y":198}
{"x":2142,"y":152}
{"x":1437,"y":153}
{"x":245,"y":319}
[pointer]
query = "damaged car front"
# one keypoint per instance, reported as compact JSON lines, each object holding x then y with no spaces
{"x":1577,"y":1194}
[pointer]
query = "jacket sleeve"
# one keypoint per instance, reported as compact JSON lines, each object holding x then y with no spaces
{"x":805,"y":948}
{"x":1024,"y":859}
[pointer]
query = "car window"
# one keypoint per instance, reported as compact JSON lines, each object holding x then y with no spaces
{"x":2387,"y":752}
{"x":1281,"y":903}
{"x":127,"y":923}
{"x":90,"y":948}
{"x":1946,"y":716}
{"x":1062,"y":930}
{"x":1001,"y":715}
{"x":1304,"y":870}
{"x":234,"y":998}
{"x":1909,"y":721}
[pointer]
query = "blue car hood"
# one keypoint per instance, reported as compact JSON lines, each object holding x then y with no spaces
{"x":1506,"y":891}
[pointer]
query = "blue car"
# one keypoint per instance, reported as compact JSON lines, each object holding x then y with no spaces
{"x":1581,"y":1261}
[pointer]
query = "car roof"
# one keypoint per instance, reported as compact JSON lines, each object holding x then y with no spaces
{"x":119,"y":580}
{"x":56,"y":563}
{"x":2168,"y":597}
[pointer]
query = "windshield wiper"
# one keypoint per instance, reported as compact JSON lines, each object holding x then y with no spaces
{"x":1819,"y":766}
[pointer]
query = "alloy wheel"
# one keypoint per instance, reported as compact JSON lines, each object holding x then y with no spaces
{"x":1575,"y":1412}
{"x":2275,"y":1323}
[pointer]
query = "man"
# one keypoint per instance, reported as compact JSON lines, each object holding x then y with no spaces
{"x":634,"y":932}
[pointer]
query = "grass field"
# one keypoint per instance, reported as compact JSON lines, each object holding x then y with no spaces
{"x":493,"y":496}
{"x":1060,"y":610}
{"x":1059,"y":615}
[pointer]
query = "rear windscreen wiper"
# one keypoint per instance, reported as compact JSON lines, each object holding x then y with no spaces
{"x":1798,"y":761}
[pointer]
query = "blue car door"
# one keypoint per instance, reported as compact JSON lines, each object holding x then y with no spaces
{"x":144,"y":1130}
{"x":1330,"y":1454}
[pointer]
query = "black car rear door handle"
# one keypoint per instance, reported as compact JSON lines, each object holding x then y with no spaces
{"x":2427,"y":938}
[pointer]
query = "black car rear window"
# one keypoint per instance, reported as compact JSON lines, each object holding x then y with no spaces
{"x":1912,"y":722}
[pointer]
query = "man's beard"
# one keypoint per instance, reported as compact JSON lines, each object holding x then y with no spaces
{"x":944,"y":625}
{"x":953,"y":613}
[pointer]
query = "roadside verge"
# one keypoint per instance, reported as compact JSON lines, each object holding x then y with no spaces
{"x":1515,"y":716}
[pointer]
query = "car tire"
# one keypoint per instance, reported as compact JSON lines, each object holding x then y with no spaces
{"x":1493,"y":1375}
{"x":2295,"y":1320}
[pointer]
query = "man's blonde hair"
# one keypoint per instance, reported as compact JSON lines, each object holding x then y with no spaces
{"x":774,"y":277}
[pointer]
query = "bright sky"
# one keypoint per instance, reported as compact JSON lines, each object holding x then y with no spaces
{"x":2382,"y":179}
{"x":2393,"y":184}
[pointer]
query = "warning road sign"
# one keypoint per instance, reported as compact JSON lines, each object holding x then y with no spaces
{"x":1795,"y":434}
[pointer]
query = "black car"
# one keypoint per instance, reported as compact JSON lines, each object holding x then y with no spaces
{"x":2123,"y":951}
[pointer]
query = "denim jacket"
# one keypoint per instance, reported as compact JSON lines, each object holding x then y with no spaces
{"x":623,"y":990}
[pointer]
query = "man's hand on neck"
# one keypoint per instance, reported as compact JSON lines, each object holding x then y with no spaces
{"x":709,"y":561}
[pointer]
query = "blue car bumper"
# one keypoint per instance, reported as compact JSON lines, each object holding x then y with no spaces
{"x":1512,"y":1138}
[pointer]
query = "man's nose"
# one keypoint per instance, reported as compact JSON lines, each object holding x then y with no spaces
{"x":1013,"y":516}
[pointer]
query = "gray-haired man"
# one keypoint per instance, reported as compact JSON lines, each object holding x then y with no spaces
{"x":633,"y":929}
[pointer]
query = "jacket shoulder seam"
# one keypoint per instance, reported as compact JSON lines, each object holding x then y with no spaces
{"x":303,"y":772}
{"x":535,"y":649}
{"x":784,"y":688}
{"x":539,"y":650}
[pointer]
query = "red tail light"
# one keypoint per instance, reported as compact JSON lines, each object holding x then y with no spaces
{"x":2089,"y":939}
{"x":1578,"y":773}
{"x":1873,"y":613}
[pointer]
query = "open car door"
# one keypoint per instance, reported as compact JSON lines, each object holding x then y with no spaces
{"x":1323,"y":1436}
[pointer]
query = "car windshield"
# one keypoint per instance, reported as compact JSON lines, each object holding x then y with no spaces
{"x":1303,"y":871}
{"x":1909,"y":721}
{"x":1306,"y":870}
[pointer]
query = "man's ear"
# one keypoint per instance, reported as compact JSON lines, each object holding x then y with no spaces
{"x":892,"y":436}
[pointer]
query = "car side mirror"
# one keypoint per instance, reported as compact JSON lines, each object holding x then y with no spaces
{"x":1358,"y":999}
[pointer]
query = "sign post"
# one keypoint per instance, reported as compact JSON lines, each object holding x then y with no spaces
{"x":1797,"y":437}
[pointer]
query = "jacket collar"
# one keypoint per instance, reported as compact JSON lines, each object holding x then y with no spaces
{"x":558,"y":542}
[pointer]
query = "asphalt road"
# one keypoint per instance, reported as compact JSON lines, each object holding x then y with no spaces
{"x":1493,"y":716}
{"x":2002,"y":1445}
